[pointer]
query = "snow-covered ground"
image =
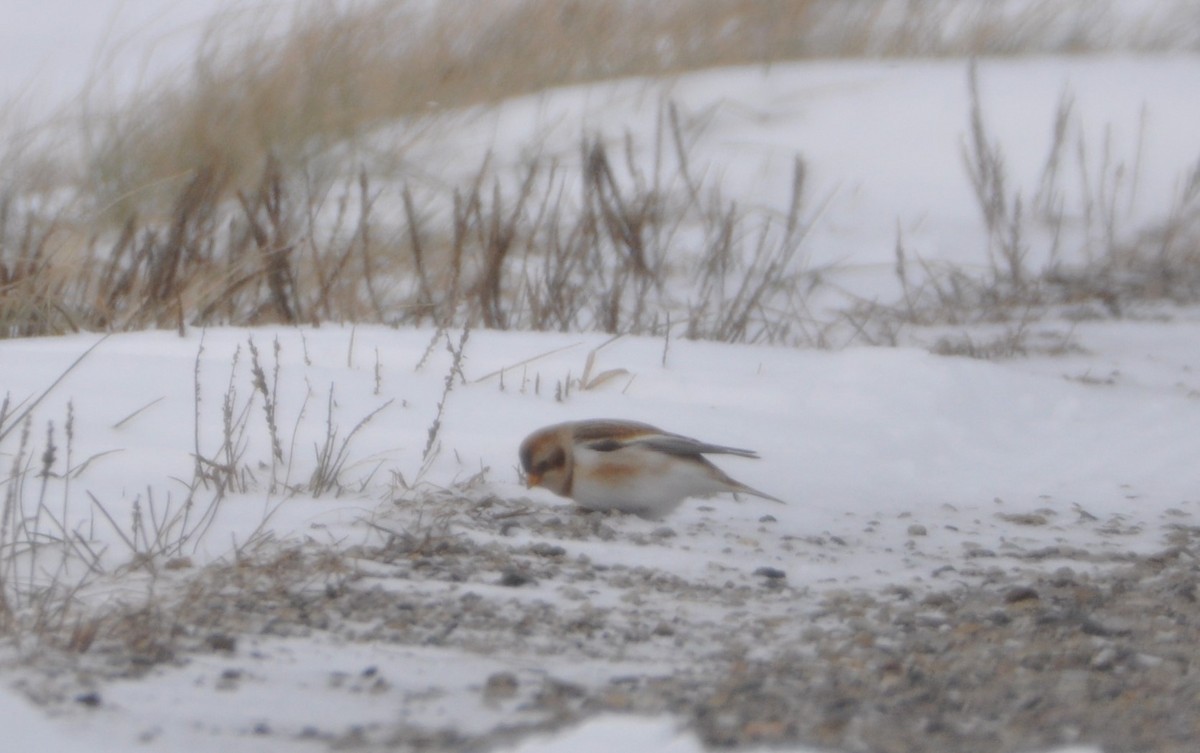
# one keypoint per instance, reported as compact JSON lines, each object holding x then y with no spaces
{"x":902,"y":470}
{"x":865,"y":444}
{"x":884,"y":144}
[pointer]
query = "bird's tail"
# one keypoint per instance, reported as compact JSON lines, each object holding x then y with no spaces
{"x":743,"y":489}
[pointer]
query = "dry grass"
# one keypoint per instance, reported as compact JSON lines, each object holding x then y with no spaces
{"x":57,"y":539}
{"x":222,"y":197}
{"x":533,"y":256}
{"x":1115,"y":267}
{"x":289,"y":88}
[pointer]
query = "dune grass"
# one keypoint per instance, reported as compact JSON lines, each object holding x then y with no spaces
{"x":291,"y":87}
{"x":216,"y":196}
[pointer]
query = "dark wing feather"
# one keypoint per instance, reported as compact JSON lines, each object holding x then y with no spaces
{"x":611,"y":429}
{"x":675,"y":444}
{"x":608,"y":435}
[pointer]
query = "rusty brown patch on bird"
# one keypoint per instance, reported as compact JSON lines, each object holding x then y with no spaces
{"x":615,"y":471}
{"x":612,"y":429}
{"x":535,"y":446}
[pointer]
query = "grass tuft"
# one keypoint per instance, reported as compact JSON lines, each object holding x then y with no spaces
{"x":239,"y":194}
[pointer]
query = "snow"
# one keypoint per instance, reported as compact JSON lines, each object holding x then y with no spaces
{"x":862,"y":443}
{"x":27,"y":729}
{"x":857,"y":433}
{"x":616,"y":733}
{"x":608,"y":733}
{"x":883,"y":142}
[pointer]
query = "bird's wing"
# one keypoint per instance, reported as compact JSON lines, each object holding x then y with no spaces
{"x":611,"y":429}
{"x":607,"y":435}
{"x":675,"y":444}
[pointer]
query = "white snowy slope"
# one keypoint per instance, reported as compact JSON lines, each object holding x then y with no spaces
{"x":846,"y":437}
{"x":863,"y":444}
{"x":27,"y":729}
{"x":883,"y":143}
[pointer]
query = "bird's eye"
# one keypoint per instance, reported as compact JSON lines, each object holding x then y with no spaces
{"x":557,"y":459}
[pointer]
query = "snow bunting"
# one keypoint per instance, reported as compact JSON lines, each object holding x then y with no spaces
{"x":625,"y":465}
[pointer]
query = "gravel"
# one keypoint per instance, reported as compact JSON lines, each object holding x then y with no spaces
{"x":999,"y":660}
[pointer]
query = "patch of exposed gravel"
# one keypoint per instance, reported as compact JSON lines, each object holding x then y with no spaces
{"x":1001,"y":661}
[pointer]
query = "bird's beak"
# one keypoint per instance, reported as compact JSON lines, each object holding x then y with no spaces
{"x":532,"y":480}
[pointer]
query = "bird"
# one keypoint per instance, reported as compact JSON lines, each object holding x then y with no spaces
{"x":614,"y":464}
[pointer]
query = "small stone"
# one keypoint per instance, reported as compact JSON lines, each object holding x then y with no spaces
{"x":1024,"y":519}
{"x":771,"y":573}
{"x":604,"y":533}
{"x":500,"y":686}
{"x":1185,"y":591}
{"x":663,"y":532}
{"x":513,"y":578}
{"x":1105,"y":659}
{"x":557,"y":694}
{"x":916,"y":529}
{"x":1107,"y":627}
{"x":767,"y":519}
{"x":1019,"y":594}
{"x":999,"y":618}
{"x":1063,"y":577}
{"x":90,"y":699}
{"x":979,"y":552}
{"x":229,"y":679}
{"x":937,"y":599}
{"x":543,"y":549}
{"x":1072,"y":685}
{"x":764,"y":730}
{"x":222,"y":642}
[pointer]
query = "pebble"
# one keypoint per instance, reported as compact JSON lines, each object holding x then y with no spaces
{"x":513,"y":578}
{"x":1020,"y":594}
{"x":1107,"y":627}
{"x":771,"y":573}
{"x":1016,"y":655}
{"x":90,"y":699}
{"x":501,"y":686}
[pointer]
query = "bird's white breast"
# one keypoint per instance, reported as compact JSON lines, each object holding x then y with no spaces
{"x":637,"y":480}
